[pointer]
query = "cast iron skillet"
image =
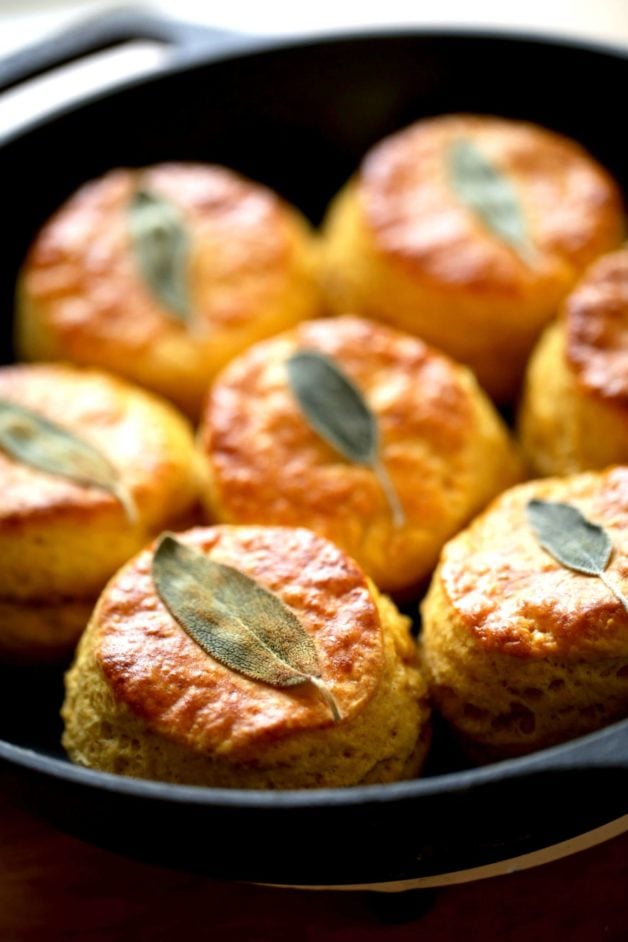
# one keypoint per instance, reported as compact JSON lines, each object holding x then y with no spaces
{"x":299,"y":116}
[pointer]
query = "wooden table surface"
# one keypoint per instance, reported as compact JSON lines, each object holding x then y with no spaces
{"x":54,"y":888}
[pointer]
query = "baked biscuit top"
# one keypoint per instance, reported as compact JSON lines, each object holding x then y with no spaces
{"x":143,"y":439}
{"x":513,"y":597}
{"x":410,"y":386}
{"x":163,"y":676}
{"x":82,"y":266}
{"x":596,"y":316}
{"x":571,"y":207}
{"x":266,"y":456}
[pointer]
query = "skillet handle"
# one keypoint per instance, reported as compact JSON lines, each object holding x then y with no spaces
{"x":185,"y":41}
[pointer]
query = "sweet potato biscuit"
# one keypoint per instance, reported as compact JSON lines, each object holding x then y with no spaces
{"x":61,"y":540}
{"x":441,"y":442}
{"x":574,"y":412}
{"x":249,"y":271}
{"x":144,"y":699}
{"x":401,"y":245}
{"x":521,"y":652}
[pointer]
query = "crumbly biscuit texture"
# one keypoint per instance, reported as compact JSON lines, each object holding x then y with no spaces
{"x":441,"y":442}
{"x":521,"y":651}
{"x":250,"y":272}
{"x":401,"y":246}
{"x":61,"y":540}
{"x":574,"y":411}
{"x":59,"y":537}
{"x":596,"y":319}
{"x":143,"y":699}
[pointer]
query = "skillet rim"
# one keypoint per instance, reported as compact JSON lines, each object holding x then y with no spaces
{"x":247,"y":45}
{"x":551,"y":760}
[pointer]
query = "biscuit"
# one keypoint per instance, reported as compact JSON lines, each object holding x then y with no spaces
{"x":521,"y":652}
{"x":574,"y":410}
{"x":247,"y":269}
{"x":61,"y":540}
{"x":143,"y":699}
{"x":401,"y":245}
{"x":441,"y":442}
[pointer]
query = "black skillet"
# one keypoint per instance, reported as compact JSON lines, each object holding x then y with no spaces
{"x":298,"y":116}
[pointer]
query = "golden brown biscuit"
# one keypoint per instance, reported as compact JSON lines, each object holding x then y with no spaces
{"x":441,"y":442}
{"x":61,"y":540}
{"x":248,"y":271}
{"x":522,"y":652}
{"x":402,"y":246}
{"x":143,"y":698}
{"x":574,"y":412}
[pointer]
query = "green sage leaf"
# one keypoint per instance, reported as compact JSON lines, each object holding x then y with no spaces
{"x":335,"y":408}
{"x":160,"y":243}
{"x":42,"y":444}
{"x":569,"y":537}
{"x":242,"y":625}
{"x":490,"y":195}
{"x":572,"y":540}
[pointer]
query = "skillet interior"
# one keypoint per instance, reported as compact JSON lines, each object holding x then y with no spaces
{"x":299,"y":119}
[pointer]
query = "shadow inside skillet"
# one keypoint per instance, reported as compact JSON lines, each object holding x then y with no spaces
{"x":30,"y":700}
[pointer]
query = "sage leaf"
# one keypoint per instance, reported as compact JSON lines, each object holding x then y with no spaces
{"x":572,"y":540}
{"x":160,"y":243}
{"x":238,"y":622}
{"x":335,"y":408}
{"x":42,"y":444}
{"x":490,"y":195}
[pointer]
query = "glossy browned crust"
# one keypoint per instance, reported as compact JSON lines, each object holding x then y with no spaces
{"x":441,"y":442}
{"x":571,"y":205}
{"x":387,"y":739}
{"x":60,"y":539}
{"x":402,"y":247}
{"x":83,"y":299}
{"x":509,"y":595}
{"x":596,"y":323}
{"x":564,"y":426}
{"x":161,"y":674}
{"x":522,"y":653}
